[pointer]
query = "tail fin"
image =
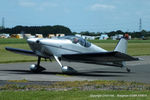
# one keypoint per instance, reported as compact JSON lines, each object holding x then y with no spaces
{"x":122,"y":46}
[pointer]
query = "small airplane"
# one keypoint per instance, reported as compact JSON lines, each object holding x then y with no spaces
{"x":75,"y":49}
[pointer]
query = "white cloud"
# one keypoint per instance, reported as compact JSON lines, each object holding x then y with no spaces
{"x":46,"y":5}
{"x":97,"y":6}
{"x":27,"y":3}
{"x":42,"y":5}
{"x":39,"y":5}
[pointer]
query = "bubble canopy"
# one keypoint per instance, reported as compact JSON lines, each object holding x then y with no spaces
{"x":76,"y":39}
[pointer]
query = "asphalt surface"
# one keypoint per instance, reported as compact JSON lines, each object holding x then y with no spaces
{"x":140,"y":72}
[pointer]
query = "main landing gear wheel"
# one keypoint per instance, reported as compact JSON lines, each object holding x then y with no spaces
{"x":36,"y":68}
{"x":68,"y":70}
{"x":65,"y":69}
{"x":128,"y":70}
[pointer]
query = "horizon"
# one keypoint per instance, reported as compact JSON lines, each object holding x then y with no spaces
{"x":92,"y":16}
{"x":82,"y":31}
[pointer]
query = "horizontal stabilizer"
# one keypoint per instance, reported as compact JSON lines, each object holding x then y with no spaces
{"x":21,"y":51}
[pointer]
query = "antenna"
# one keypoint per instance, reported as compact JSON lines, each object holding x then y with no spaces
{"x":3,"y":22}
{"x":140,"y":25}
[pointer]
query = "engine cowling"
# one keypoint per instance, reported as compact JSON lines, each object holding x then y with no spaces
{"x":68,"y":70}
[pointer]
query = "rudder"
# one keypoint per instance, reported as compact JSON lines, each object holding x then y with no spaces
{"x":122,"y":47}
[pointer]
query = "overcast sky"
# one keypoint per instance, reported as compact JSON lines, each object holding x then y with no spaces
{"x":78,"y":15}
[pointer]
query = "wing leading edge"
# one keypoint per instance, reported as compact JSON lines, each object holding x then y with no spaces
{"x":21,"y":51}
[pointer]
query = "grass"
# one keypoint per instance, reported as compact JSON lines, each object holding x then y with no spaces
{"x":76,"y":90}
{"x":135,"y":48}
{"x":75,"y":85}
{"x":12,"y":41}
{"x":74,"y":95}
{"x":18,"y":81}
{"x":7,"y":57}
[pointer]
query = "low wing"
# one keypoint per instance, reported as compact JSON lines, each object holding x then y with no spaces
{"x":99,"y":57}
{"x":21,"y":51}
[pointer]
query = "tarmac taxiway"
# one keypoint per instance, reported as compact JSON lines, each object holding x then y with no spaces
{"x":140,"y":72}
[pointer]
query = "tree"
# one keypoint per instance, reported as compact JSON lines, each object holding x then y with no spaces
{"x":119,"y":32}
{"x":45,"y":30}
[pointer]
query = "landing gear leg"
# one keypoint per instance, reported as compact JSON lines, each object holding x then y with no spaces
{"x":39,"y":60}
{"x":128,"y":70}
{"x":124,"y":65}
{"x":65,"y":69}
{"x":36,"y":68}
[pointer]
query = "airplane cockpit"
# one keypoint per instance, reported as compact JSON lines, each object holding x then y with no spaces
{"x":76,"y":39}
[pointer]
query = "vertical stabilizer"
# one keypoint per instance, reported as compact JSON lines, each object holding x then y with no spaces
{"x":122,"y":46}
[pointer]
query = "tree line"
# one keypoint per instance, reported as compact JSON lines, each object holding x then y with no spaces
{"x":45,"y":30}
{"x":140,"y":34}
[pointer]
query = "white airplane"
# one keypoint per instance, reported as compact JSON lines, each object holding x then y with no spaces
{"x":75,"y":49}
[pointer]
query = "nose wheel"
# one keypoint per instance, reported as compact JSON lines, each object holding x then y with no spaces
{"x":36,"y":68}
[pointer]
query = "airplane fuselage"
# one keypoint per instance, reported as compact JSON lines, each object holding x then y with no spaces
{"x":47,"y":47}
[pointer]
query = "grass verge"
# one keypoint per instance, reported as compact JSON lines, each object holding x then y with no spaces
{"x":74,"y":95}
{"x":73,"y":85}
{"x":75,"y":90}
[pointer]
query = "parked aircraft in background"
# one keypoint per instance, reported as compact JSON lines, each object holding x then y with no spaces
{"x":75,"y":49}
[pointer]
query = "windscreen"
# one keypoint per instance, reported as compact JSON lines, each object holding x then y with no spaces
{"x":76,"y":40}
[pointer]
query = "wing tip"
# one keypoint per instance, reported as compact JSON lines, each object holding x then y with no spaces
{"x":141,"y":59}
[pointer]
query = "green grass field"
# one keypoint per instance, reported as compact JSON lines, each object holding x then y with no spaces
{"x":135,"y":48}
{"x":74,"y":95}
{"x":12,"y":41}
{"x":7,"y":57}
{"x":76,"y":90}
